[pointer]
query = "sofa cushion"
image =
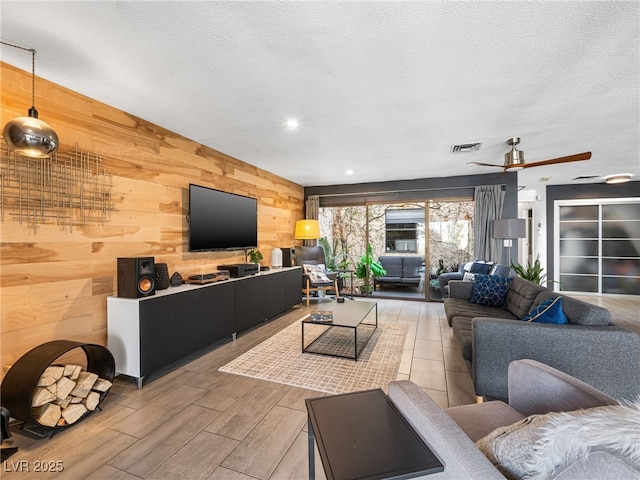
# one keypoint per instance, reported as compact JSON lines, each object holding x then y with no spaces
{"x":463,"y":332}
{"x":538,"y":445}
{"x":392,"y":264}
{"x":577,"y":311}
{"x":411,"y":267}
{"x":387,"y":279}
{"x":478,"y":420}
{"x":549,"y":311}
{"x":460,"y":307}
{"x":464,"y":336}
{"x":490,"y":290}
{"x":521,"y":296}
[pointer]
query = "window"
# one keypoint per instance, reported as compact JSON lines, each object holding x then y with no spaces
{"x":401,"y":229}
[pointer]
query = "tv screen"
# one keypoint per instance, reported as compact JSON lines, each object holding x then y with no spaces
{"x":221,"y":221}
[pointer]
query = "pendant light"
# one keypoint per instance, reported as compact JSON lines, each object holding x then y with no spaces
{"x":30,"y":136}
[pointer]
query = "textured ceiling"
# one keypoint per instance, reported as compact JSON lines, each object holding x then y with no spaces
{"x":383,"y":88}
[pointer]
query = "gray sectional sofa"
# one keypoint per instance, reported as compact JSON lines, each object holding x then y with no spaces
{"x":534,"y":388}
{"x":591,"y":347}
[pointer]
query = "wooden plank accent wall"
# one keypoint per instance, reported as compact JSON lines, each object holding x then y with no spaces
{"x":54,"y":284}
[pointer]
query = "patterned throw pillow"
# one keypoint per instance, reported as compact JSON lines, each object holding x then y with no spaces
{"x":490,"y":290}
{"x":317,"y":273}
{"x":549,"y":311}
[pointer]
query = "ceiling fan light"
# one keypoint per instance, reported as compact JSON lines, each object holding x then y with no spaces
{"x":617,"y":178}
{"x":514,"y":159}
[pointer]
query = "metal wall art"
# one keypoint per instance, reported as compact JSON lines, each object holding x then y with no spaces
{"x":69,"y":188}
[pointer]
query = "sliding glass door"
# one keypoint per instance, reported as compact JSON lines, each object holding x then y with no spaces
{"x":413,"y":241}
{"x":450,"y":239}
{"x":597,"y":246}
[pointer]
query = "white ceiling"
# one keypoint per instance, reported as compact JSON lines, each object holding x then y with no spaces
{"x":381,"y":87}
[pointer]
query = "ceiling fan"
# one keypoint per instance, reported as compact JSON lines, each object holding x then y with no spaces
{"x":514,"y":159}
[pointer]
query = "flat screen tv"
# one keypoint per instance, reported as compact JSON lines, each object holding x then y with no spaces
{"x":221,"y":221}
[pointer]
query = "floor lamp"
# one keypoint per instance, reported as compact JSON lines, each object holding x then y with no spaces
{"x":508,"y":229}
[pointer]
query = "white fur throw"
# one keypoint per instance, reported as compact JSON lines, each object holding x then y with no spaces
{"x":537,"y":446}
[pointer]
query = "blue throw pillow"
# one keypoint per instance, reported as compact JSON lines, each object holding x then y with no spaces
{"x":490,"y":290}
{"x":481,"y":268}
{"x":549,"y":311}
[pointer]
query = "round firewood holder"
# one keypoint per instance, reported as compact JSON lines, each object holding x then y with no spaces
{"x":21,"y":380}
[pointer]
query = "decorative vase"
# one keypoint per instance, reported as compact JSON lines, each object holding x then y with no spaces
{"x":276,"y":258}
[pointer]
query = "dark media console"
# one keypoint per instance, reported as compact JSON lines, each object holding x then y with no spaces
{"x":148,"y":334}
{"x":239,"y":270}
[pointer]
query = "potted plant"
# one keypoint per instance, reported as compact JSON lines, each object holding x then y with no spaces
{"x":255,"y":256}
{"x":532,"y":272}
{"x":367,"y":268}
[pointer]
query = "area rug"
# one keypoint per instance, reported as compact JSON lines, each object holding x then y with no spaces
{"x":279,"y":359}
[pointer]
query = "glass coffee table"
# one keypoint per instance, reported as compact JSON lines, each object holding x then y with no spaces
{"x":346,"y":335}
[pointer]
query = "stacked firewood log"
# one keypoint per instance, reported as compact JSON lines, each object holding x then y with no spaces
{"x":65,"y":393}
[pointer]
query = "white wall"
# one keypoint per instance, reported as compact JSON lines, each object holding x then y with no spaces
{"x":535,"y":200}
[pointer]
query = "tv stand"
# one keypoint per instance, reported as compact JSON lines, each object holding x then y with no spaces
{"x":149,"y":334}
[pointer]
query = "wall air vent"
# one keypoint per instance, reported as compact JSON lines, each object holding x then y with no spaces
{"x":586,"y":177}
{"x":465,"y":147}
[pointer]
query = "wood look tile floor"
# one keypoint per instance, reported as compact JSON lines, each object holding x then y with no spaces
{"x":197,"y":423}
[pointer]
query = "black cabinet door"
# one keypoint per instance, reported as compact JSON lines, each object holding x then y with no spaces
{"x":274,"y":294}
{"x":250,"y":294}
{"x":174,"y":326}
{"x":292,"y":287}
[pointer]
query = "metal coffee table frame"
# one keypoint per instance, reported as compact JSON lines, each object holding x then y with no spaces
{"x":350,"y":315}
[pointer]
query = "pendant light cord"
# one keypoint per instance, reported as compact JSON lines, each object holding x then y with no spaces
{"x":33,"y":67}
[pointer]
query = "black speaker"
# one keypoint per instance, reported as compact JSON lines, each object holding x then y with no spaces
{"x":136,"y":277}
{"x":288,"y":256}
{"x":162,"y":276}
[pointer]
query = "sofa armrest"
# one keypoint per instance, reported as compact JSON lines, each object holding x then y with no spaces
{"x":459,"y":455}
{"x":538,"y":388}
{"x":605,"y":357}
{"x":461,"y":289}
{"x":445,"y":278}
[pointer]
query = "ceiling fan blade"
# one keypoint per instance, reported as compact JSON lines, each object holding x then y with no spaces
{"x":578,"y":157}
{"x":480,"y":164}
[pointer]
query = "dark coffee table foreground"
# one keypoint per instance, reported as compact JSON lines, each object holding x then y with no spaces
{"x":362,"y":435}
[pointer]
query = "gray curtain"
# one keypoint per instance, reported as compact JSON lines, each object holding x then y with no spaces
{"x":312,"y":211}
{"x":489,"y":200}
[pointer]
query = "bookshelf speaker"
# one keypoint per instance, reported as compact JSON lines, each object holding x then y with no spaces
{"x":136,"y":277}
{"x":289,"y":256}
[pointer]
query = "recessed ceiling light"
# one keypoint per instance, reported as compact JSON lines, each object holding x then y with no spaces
{"x":349,"y":172}
{"x":292,"y":123}
{"x":617,"y":178}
